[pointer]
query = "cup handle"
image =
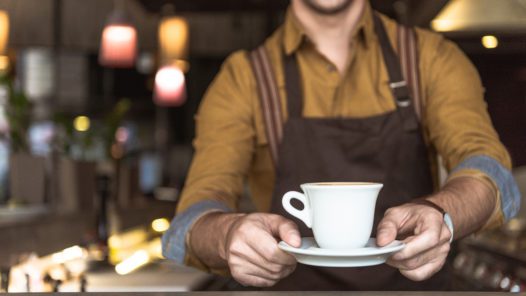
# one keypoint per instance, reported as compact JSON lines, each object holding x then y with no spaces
{"x":305,"y":214}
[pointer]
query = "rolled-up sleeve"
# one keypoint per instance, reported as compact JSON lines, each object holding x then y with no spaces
{"x":459,"y":126}
{"x":174,"y":239}
{"x":224,"y":147}
{"x":502,"y":178}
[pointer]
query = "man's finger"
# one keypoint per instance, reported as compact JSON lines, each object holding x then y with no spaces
{"x":251,"y":280}
{"x":268,"y":249}
{"x":415,"y":262}
{"x":255,"y":258}
{"x":285,"y":230}
{"x":248,"y":268}
{"x":394,"y":222}
{"x":428,"y":237}
{"x":424,"y":272}
{"x":266,"y":246}
{"x":386,"y":232}
{"x":288,"y":232}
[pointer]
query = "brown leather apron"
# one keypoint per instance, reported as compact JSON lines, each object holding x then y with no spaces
{"x":387,"y":148}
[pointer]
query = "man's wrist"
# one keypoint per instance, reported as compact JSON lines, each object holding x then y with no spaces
{"x":227,"y":222}
{"x":429,"y":203}
{"x":212,"y":230}
{"x":447,"y":218}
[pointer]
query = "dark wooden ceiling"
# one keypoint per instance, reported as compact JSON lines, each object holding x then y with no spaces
{"x":417,"y":11}
{"x":215,"y":5}
{"x":238,"y":5}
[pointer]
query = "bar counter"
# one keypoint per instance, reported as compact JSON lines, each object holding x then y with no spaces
{"x":321,"y":293}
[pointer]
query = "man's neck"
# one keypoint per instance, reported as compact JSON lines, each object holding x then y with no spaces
{"x":331,"y":34}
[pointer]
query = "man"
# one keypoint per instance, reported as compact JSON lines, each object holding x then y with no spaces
{"x":345,"y":120}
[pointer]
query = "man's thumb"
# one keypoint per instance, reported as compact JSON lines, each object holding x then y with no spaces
{"x":288,"y":232}
{"x":386,"y":232}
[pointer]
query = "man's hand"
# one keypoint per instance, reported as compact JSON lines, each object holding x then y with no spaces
{"x":252,"y":252}
{"x":426,"y":237}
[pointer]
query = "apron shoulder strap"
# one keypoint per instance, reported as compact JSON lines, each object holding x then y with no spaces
{"x":408,"y":55}
{"x":269,"y":98}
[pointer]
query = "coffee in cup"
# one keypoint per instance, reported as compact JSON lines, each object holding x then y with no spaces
{"x":341,"y":214}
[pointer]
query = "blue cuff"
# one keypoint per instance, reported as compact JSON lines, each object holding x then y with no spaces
{"x":173,"y":240}
{"x":509,"y":192}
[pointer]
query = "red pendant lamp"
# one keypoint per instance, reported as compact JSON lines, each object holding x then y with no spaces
{"x":170,"y":86}
{"x":118,"y":46}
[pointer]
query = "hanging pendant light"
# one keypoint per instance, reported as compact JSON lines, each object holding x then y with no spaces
{"x":4,"y":38}
{"x":4,"y":31}
{"x":38,"y":76}
{"x":475,"y":16}
{"x":118,"y":47}
{"x":170,"y":86}
{"x":173,"y":40}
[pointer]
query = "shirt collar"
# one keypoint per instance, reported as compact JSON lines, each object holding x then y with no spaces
{"x":294,"y":33}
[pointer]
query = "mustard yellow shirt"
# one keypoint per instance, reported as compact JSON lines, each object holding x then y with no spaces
{"x":231,"y":145}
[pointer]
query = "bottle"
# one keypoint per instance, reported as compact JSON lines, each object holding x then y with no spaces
{"x":103,"y":192}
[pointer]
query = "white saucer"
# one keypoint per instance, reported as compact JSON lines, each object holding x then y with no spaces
{"x":309,"y":253}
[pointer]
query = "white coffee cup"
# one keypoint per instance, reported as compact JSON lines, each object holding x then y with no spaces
{"x":341,"y":214}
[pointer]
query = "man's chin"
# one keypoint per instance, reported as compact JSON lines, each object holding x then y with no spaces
{"x":320,"y":8}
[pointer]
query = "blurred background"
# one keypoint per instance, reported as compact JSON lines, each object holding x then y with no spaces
{"x":97,"y":100}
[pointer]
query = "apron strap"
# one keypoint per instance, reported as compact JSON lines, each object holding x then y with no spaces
{"x":408,"y":55}
{"x":269,"y":98}
{"x":397,"y":82}
{"x":293,"y":86}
